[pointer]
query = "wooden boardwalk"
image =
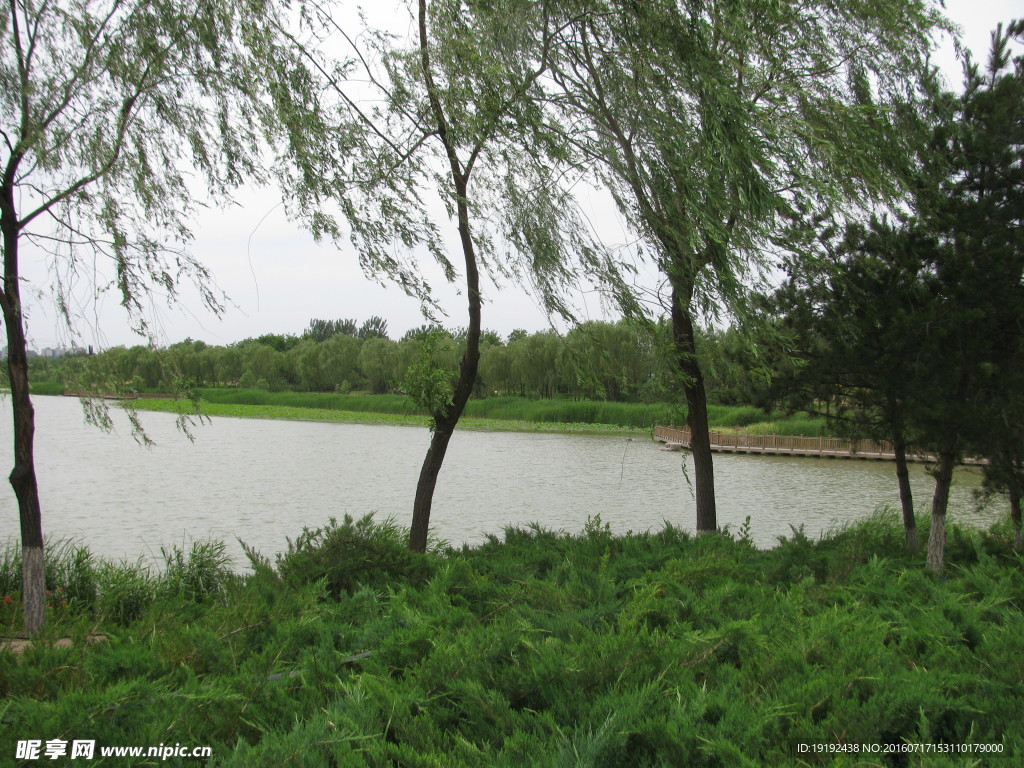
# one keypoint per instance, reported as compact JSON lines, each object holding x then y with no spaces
{"x":787,"y":445}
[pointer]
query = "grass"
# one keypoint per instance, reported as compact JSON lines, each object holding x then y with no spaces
{"x":294,"y":413}
{"x":635,"y":415}
{"x":547,"y":649}
{"x":517,"y":414}
{"x":46,"y":388}
{"x":493,"y":413}
{"x":81,"y":585}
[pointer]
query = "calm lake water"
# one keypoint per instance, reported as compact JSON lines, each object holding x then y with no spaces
{"x":262,"y":481}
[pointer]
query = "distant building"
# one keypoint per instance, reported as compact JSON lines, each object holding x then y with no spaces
{"x":50,"y":352}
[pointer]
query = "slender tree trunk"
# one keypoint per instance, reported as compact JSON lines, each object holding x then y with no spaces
{"x":1015,"y":517}
{"x":943,"y":475}
{"x":23,"y":476}
{"x":424,"y":499}
{"x":684,"y":341}
{"x":906,"y":496}
{"x":444,"y":423}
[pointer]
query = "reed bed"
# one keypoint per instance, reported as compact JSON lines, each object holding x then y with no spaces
{"x":542,"y":411}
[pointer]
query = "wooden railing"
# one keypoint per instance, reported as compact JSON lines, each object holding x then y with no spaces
{"x":801,"y":445}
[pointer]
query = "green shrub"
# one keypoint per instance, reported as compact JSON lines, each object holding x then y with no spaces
{"x":353,"y":553}
{"x":547,"y":648}
{"x":734,"y":416}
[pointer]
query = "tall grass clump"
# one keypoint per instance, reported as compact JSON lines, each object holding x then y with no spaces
{"x":734,"y":415}
{"x":503,"y":408}
{"x":201,"y":572}
{"x":70,"y":570}
{"x":124,"y":591}
{"x":640,"y":415}
{"x":79,"y":584}
{"x":10,"y":568}
{"x":46,"y":388}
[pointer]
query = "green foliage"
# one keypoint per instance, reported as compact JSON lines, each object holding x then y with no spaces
{"x":539,"y":648}
{"x":322,"y":330}
{"x":909,"y":330}
{"x":554,"y":411}
{"x":335,"y":402}
{"x":124,"y":592}
{"x":10,"y":569}
{"x":351,"y":554}
{"x":70,"y":571}
{"x":202,"y":572}
{"x":430,"y":380}
{"x":496,"y":413}
{"x":375,"y":327}
{"x":618,"y":362}
{"x":47,"y":388}
{"x":80,"y":585}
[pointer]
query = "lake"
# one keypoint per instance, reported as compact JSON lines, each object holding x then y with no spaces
{"x":262,"y":481}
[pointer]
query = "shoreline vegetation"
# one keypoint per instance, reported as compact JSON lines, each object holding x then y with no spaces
{"x":512,"y":413}
{"x":299,"y":413}
{"x":533,"y":649}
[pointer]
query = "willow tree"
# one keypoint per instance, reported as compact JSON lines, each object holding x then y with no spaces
{"x":716,"y":125}
{"x":436,"y":131}
{"x":107,"y":107}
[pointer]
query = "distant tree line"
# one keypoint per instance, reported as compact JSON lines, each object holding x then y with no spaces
{"x":622,"y":361}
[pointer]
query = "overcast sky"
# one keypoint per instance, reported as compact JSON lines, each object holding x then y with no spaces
{"x":277,"y":278}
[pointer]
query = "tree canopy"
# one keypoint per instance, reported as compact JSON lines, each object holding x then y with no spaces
{"x":717,"y":126}
{"x":112,"y":112}
{"x":917,"y":326}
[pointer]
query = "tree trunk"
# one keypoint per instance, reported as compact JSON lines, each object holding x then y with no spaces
{"x":424,"y":499}
{"x":943,"y":475}
{"x":906,"y":496}
{"x":23,"y":476}
{"x":1015,"y":517}
{"x":444,"y":423}
{"x":684,"y":341}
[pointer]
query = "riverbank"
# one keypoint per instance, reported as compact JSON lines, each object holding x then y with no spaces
{"x":538,"y":649}
{"x":296,"y":413}
{"x":514,"y":414}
